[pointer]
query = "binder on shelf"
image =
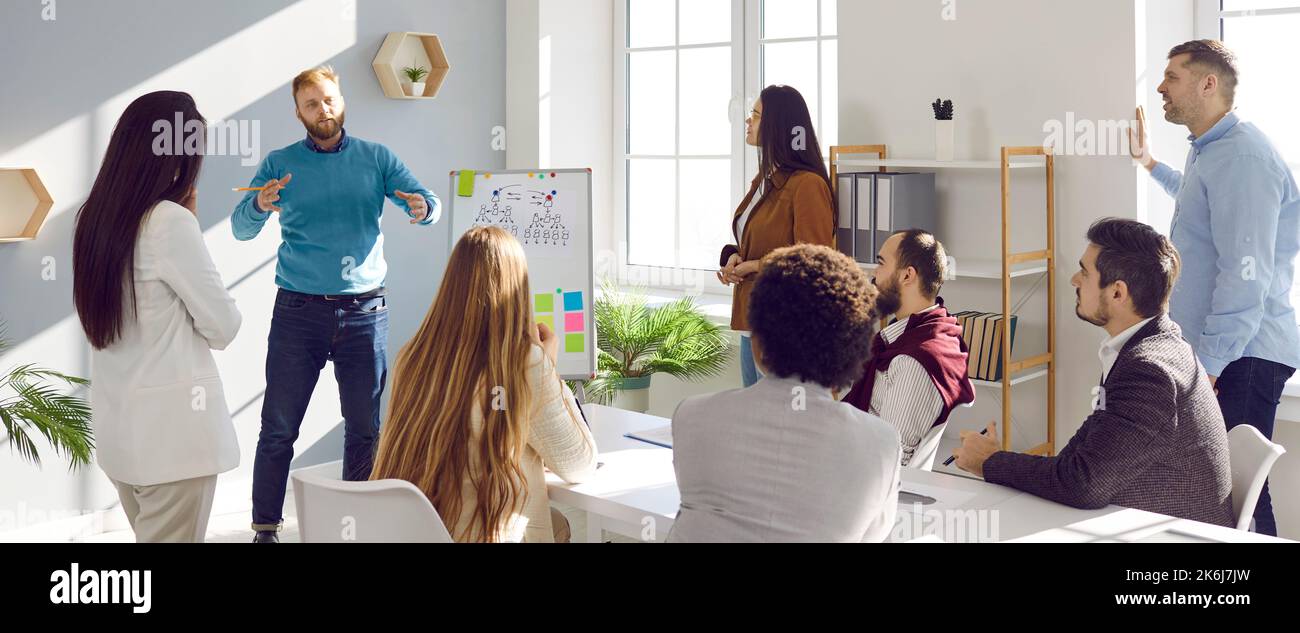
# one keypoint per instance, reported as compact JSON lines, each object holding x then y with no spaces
{"x":864,"y":186}
{"x":902,"y":200}
{"x":873,"y":205}
{"x":846,"y":190}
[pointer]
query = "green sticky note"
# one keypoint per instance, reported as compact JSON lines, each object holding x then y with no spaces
{"x":544,"y":303}
{"x":574,"y":343}
{"x":547,"y":320}
{"x":465,"y":185}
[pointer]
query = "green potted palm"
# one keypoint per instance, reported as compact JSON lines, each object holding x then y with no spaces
{"x":636,"y":341}
{"x":30,"y":403}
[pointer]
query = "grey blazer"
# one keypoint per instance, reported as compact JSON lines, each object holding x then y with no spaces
{"x":783,"y":461}
{"x":1156,"y":442}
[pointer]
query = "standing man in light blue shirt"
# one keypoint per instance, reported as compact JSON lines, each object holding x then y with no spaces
{"x":1235,"y":225}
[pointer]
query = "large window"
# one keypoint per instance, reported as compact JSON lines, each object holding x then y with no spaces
{"x":688,"y":74}
{"x":1263,"y":35}
{"x":799,"y":47}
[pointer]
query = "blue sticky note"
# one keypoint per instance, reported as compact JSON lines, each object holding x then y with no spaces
{"x":572,"y":301}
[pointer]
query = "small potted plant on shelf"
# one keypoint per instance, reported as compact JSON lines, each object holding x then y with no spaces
{"x":636,"y":341}
{"x":416,"y":74}
{"x":944,"y":129}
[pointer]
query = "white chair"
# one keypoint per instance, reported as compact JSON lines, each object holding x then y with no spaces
{"x":1252,"y":456}
{"x":928,"y":449}
{"x":389,"y":511}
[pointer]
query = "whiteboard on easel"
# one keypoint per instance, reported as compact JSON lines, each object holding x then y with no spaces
{"x":549,"y":212}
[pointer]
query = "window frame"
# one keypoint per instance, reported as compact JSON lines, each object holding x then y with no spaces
{"x":622,"y":88}
{"x":758,"y":79}
{"x":1209,"y":24}
{"x":747,"y":74}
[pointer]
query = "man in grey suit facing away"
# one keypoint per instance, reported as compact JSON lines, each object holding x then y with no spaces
{"x":783,"y":460}
{"x":1155,"y":440}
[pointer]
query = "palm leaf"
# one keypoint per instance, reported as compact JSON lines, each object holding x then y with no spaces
{"x":36,"y":408}
{"x":634,"y":340}
{"x":63,"y":420}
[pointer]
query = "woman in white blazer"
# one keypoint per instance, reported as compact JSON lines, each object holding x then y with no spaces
{"x":153,"y":307}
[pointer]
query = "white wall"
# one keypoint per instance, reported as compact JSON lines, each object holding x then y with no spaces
{"x":560,"y":94}
{"x":1162,"y":24}
{"x":1009,"y":68}
{"x":237,"y":62}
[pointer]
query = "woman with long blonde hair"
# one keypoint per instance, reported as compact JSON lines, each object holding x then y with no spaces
{"x":478,"y":407}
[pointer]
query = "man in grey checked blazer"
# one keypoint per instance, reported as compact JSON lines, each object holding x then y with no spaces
{"x":1156,"y":439}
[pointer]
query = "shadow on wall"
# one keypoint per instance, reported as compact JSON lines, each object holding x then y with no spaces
{"x":62,"y":128}
{"x":38,"y":99}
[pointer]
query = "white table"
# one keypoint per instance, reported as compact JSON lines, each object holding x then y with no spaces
{"x":635,"y":494}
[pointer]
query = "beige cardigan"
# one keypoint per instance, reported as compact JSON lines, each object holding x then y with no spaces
{"x":558,"y":439}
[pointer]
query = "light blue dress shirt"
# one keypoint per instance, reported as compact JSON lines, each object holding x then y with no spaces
{"x":1235,"y":226}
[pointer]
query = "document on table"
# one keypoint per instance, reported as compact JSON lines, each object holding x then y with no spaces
{"x":661,"y":437}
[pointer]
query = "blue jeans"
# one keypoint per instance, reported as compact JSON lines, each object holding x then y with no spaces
{"x":749,"y":373}
{"x":1249,"y":392}
{"x":306,"y":331}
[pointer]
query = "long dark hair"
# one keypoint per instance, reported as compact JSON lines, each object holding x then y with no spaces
{"x":786,"y":119}
{"x":132,"y":179}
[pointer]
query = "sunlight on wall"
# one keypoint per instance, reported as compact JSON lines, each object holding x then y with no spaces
{"x":224,"y":78}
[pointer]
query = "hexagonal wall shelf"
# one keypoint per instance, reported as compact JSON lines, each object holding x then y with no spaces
{"x":403,"y":49}
{"x":24,"y":205}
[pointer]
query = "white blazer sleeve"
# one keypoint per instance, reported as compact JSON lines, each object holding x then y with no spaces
{"x":186,"y":267}
{"x":883,"y":526}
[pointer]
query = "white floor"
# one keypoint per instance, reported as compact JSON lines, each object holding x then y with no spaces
{"x":222,"y":528}
{"x":234,"y":528}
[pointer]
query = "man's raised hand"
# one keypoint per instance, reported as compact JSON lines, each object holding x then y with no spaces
{"x":417,"y":206}
{"x":267,"y":197}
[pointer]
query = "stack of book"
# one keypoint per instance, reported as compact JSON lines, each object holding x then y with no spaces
{"x":982,"y":332}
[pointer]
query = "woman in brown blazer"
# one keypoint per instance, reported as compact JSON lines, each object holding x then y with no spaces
{"x":789,"y":202}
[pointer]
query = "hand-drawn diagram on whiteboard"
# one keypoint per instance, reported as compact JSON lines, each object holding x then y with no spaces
{"x":498,"y":212}
{"x":538,"y":207}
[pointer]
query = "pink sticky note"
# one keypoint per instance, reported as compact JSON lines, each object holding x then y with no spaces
{"x":573,"y":322}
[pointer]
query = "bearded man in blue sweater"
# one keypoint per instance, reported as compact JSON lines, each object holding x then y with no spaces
{"x":329,"y":192}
